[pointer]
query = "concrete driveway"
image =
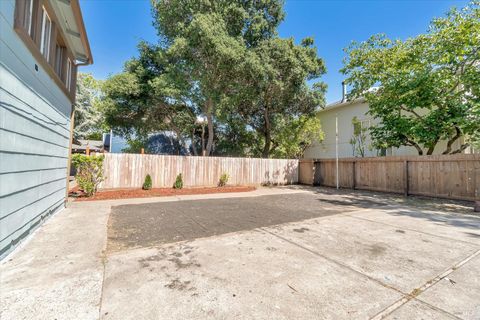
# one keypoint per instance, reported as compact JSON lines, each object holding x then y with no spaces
{"x":283,"y":253}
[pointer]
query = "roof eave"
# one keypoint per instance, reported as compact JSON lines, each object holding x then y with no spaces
{"x":83,"y":33}
{"x":339,"y":104}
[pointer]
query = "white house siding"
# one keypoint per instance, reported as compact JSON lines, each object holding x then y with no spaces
{"x":34,"y":138}
{"x":345,"y":114}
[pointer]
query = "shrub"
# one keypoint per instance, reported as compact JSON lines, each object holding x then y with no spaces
{"x":223,"y":180}
{"x":147,"y":184}
{"x":178,"y":182}
{"x":89,"y":172}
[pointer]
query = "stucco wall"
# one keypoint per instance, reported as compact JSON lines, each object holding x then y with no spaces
{"x":34,"y":138}
{"x":345,"y":114}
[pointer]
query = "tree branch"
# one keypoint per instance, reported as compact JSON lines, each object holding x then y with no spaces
{"x":462,"y":147}
{"x":414,"y":144}
{"x":458,"y":134}
{"x":411,"y":111}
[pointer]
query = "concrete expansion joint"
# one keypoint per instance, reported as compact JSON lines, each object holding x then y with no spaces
{"x":414,"y":294}
{"x":406,"y":296}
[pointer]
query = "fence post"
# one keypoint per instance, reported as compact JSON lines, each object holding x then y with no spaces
{"x":354,"y":174}
{"x":405,"y":177}
{"x":87,"y":150}
{"x":142,"y":151}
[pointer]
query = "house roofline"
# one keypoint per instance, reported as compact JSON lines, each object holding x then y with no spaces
{"x":83,"y":32}
{"x":341,"y":103}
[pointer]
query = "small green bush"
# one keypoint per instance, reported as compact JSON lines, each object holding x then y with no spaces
{"x":147,"y":184}
{"x":223,"y":180}
{"x":178,"y":182}
{"x":89,"y":172}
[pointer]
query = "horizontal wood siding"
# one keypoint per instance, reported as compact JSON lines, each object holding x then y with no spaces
{"x":34,"y":138}
{"x":129,"y":170}
{"x":443,"y":176}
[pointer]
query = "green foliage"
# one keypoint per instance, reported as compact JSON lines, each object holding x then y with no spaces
{"x":222,"y":182}
{"x":221,"y":60}
{"x":89,"y":172}
{"x":359,"y":138}
{"x":292,"y":136}
{"x":98,"y":135}
{"x":135,"y":146}
{"x":178,"y":182}
{"x":428,"y":86}
{"x":277,"y":91}
{"x":147,"y":184}
{"x":88,"y":119}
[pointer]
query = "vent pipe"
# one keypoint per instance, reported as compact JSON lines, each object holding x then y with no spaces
{"x":344,"y":91}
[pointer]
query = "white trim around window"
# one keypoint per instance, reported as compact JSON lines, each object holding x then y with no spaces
{"x":46,"y":35}
{"x":28,"y":20}
{"x":68,"y":79}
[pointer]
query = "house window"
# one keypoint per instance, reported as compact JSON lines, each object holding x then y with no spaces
{"x":28,"y":17}
{"x":46,"y":34}
{"x":68,"y":76}
{"x":59,"y":60}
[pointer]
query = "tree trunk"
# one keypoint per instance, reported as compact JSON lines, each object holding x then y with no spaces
{"x":267,"y":135}
{"x":432,"y":148}
{"x":450,"y":142}
{"x":194,"y":148}
{"x":210,"y":128}
{"x":415,"y":145}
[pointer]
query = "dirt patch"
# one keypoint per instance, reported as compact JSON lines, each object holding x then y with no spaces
{"x":157,"y":192}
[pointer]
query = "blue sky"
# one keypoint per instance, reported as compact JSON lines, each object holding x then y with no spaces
{"x":115,"y":27}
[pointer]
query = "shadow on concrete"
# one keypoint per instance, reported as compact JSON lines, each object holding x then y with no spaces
{"x":440,"y":211}
{"x":149,"y":224}
{"x":143,"y":225}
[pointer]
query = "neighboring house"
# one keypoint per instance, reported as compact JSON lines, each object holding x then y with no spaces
{"x":81,"y":146}
{"x":344,"y":111}
{"x":42,"y":42}
{"x":165,"y":143}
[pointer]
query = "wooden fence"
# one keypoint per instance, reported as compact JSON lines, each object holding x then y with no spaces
{"x":442,"y":176}
{"x":129,"y":170}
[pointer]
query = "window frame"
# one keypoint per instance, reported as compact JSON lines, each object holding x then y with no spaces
{"x":46,"y":40}
{"x":59,"y":58}
{"x":28,"y":22}
{"x":68,"y":74}
{"x":32,"y":31}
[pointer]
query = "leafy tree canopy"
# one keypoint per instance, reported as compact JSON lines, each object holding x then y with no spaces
{"x":88,"y":118}
{"x":221,"y":61}
{"x":427,"y":87}
{"x":275,"y":90}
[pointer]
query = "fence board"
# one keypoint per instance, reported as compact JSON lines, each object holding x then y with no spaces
{"x":129,"y":170}
{"x":443,"y":176}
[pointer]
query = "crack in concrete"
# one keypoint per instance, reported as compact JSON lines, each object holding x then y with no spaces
{"x":406,"y":296}
{"x":334,"y":261}
{"x":417,"y":291}
{"x":104,"y":259}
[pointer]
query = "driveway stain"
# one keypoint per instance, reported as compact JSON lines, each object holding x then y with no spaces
{"x":301,"y":230}
{"x":177,"y":284}
{"x":376,"y":250}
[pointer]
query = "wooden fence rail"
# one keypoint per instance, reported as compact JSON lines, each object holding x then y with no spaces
{"x":442,"y":176}
{"x":129,"y":170}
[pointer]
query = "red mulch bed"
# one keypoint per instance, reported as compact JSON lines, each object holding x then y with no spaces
{"x":113,"y":194}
